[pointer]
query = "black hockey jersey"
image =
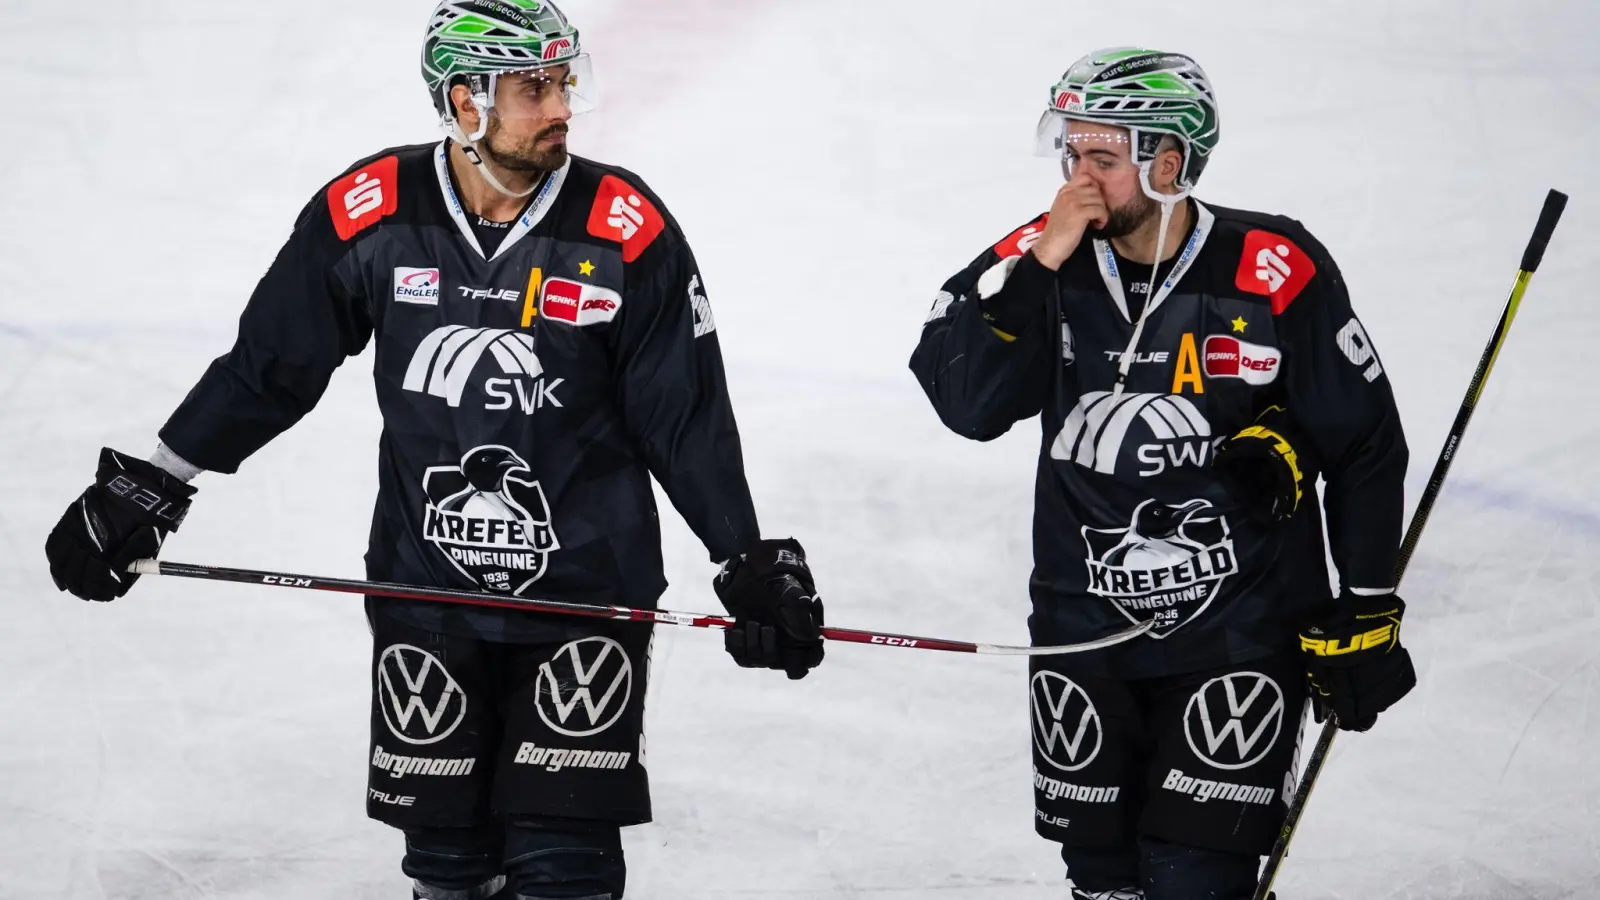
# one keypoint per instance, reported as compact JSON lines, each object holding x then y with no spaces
{"x":1130,"y":522}
{"x":527,"y":397}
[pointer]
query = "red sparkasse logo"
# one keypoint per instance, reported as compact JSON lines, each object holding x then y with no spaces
{"x":624,"y":215}
{"x":363,"y":197}
{"x":1272,"y":266}
{"x":556,"y":48}
{"x":1018,"y":242}
{"x":1228,"y":357}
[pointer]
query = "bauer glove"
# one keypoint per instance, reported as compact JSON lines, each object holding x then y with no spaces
{"x":1261,"y":468}
{"x":778,"y":619}
{"x":125,"y":515}
{"x":1355,"y":662}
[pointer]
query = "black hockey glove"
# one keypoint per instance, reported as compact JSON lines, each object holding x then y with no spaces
{"x":1356,"y":664}
{"x":1261,"y":469}
{"x":769,"y":592}
{"x":131,"y":507}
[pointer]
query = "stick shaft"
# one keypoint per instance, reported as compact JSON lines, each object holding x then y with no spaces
{"x":1554,"y":203}
{"x":596,"y":610}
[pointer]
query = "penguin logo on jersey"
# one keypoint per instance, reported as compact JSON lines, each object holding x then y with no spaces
{"x":491,"y":524}
{"x":1166,"y":565}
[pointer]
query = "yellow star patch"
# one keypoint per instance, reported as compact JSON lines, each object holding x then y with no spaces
{"x":586,"y":268}
{"x":1240,"y":324}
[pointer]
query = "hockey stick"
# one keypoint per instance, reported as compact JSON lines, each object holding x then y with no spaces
{"x":1554,"y":203}
{"x":601,"y":611}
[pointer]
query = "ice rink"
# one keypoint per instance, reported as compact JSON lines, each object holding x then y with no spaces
{"x":831,"y":163}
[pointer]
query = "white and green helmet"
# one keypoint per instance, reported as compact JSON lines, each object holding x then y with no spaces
{"x":1149,"y":92}
{"x":474,"y":41}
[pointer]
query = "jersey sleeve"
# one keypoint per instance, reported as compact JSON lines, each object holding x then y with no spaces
{"x":985,"y":353}
{"x":673,"y":395}
{"x":1340,"y":397}
{"x":300,"y":323}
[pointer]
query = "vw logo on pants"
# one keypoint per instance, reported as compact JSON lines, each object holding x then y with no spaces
{"x":585,"y":687}
{"x":420,"y":700}
{"x":1066,"y":727}
{"x":1234,"y":719}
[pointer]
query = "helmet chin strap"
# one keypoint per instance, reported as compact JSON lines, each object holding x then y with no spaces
{"x":1168,"y":203}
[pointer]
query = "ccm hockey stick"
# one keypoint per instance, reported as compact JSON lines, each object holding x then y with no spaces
{"x":1554,"y":203}
{"x":601,"y":611}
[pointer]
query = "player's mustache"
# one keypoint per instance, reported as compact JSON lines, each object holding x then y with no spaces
{"x":559,"y":128}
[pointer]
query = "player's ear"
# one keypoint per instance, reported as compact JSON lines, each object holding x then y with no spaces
{"x":465,"y":109}
{"x":1168,"y":164}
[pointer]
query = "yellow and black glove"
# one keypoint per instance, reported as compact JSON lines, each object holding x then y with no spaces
{"x":1355,"y":662}
{"x":1262,"y":469}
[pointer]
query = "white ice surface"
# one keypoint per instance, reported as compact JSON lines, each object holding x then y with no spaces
{"x":832,"y":162}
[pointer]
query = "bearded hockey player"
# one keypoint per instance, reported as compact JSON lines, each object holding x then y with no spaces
{"x":543,"y":347}
{"x":1195,"y":369}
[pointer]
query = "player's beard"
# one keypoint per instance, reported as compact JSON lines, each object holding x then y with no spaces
{"x":525,"y":157}
{"x":1126,"y":219}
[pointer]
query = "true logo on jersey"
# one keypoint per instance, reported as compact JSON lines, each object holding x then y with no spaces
{"x":624,"y":215}
{"x":1273,"y":266}
{"x":577,"y":303}
{"x":1228,"y":357}
{"x":1018,"y":242}
{"x":445,"y":360}
{"x":419,"y":286}
{"x":363,"y":197}
{"x":1166,"y":565}
{"x":1096,"y":433}
{"x":491,"y":523}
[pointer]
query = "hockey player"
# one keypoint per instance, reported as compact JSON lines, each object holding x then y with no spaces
{"x":543,"y":346}
{"x":1195,"y":369}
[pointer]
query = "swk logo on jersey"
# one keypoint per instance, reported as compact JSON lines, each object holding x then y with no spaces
{"x":445,"y":361}
{"x":362,"y":198}
{"x":1066,"y":727}
{"x":622,"y":214}
{"x":576,"y":303}
{"x":421,"y":702}
{"x":1232,"y":721}
{"x":1167,"y":565}
{"x":585,"y":687}
{"x":488,"y":520}
{"x":1273,"y":266}
{"x":1096,"y":435}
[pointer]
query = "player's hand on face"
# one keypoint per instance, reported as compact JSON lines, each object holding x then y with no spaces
{"x":778,"y":617}
{"x":1078,"y":205}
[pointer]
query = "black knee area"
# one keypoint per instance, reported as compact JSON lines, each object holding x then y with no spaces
{"x":550,"y":858}
{"x":1181,"y":872}
{"x":456,"y":859}
{"x":1097,"y":870}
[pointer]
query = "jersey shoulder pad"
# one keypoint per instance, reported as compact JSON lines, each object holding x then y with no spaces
{"x":1277,"y":256}
{"x":369,"y":190}
{"x":1017,"y":242}
{"x":622,"y":208}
